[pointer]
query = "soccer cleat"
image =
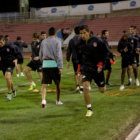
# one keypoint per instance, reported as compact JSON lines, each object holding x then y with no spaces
{"x":89,"y":113}
{"x":32,"y":87}
{"x":59,"y":103}
{"x":9,"y":97}
{"x":129,"y":82}
{"x":17,"y":75}
{"x":122,"y":87}
{"x":77,"y":88}
{"x":21,"y":74}
{"x":137,"y":82}
{"x":15,"y":93}
{"x":43,"y":103}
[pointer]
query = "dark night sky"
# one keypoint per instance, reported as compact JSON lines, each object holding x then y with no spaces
{"x":13,"y":5}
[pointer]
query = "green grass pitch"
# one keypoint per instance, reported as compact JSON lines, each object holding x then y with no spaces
{"x":24,"y":119}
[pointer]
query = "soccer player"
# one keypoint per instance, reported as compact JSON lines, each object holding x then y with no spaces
{"x":125,"y":48}
{"x":107,"y":66}
{"x":43,"y":36}
{"x":93,"y":56}
{"x":136,"y":46}
{"x":73,"y":50}
{"x":20,"y":45}
{"x":35,"y":63}
{"x":7,"y":58}
{"x":51,"y":55}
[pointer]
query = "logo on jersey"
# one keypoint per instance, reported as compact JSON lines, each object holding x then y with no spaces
{"x":83,"y":76}
{"x":37,"y":46}
{"x":9,"y":68}
{"x":94,"y":44}
{"x":8,"y":50}
{"x":132,"y":41}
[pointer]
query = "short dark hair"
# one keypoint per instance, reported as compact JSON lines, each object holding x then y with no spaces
{"x":77,"y":30}
{"x":125,"y":32}
{"x":104,"y":31}
{"x":52,"y":31}
{"x":82,"y":27}
{"x":1,"y":37}
{"x":18,"y":37}
{"x":35,"y":35}
{"x":43,"y":32}
{"x":133,"y":26}
{"x":6,"y":36}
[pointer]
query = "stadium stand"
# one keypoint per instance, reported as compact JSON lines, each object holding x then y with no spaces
{"x":115,"y":25}
{"x":26,"y":30}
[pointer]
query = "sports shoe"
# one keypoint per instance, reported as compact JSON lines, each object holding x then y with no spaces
{"x":77,"y":88}
{"x":43,"y":103}
{"x":17,"y":75}
{"x":59,"y":103}
{"x":122,"y":87}
{"x":137,"y":82}
{"x":9,"y":97}
{"x":89,"y":113}
{"x":15,"y":93}
{"x":32,"y":87}
{"x":21,"y":74}
{"x":129,"y":82}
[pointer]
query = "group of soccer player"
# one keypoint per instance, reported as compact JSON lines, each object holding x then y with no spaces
{"x":91,"y":56}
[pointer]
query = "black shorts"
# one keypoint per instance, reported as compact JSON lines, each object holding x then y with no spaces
{"x":97,"y":77}
{"x":8,"y":69}
{"x":20,"y":61}
{"x":125,"y":62}
{"x":35,"y":65}
{"x":107,"y":65}
{"x":132,"y":60}
{"x":50,"y":74}
{"x":75,"y":66}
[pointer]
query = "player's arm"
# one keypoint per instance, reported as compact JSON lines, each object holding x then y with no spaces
{"x":59,"y":57}
{"x":68,"y":53}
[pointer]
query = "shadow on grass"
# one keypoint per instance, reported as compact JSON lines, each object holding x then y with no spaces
{"x":14,"y":121}
{"x":16,"y":108}
{"x":58,"y":116}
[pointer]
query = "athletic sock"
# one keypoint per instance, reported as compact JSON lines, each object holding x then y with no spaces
{"x":89,"y":107}
{"x":32,"y":83}
{"x":43,"y":101}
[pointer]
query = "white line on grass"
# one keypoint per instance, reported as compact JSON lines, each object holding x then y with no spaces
{"x":138,"y":137}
